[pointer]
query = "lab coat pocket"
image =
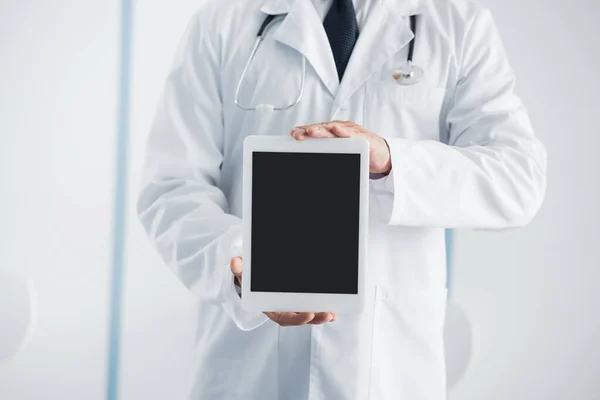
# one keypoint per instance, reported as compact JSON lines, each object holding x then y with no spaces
{"x":408,"y":352}
{"x":412,"y":112}
{"x":424,"y":98}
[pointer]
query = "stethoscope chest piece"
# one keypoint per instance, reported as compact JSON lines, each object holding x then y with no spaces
{"x":408,"y":75}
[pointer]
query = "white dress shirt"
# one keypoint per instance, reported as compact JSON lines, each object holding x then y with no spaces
{"x":362,"y":7}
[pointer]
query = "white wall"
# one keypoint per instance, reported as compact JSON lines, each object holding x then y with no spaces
{"x":532,"y":295}
{"x":159,"y":314}
{"x":57,"y":129}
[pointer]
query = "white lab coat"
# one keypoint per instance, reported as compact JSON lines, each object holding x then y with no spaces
{"x":463,"y":152}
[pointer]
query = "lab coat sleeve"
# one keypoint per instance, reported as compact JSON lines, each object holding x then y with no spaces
{"x":181,"y":206}
{"x":492,"y":172}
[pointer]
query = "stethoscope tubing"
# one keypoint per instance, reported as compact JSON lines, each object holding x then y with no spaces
{"x":259,"y":38}
{"x":261,"y":35}
{"x":411,"y":45}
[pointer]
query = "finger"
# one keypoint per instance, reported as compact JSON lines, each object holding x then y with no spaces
{"x":316,"y":129}
{"x":236,"y":267}
{"x":321,"y":318}
{"x":299,"y":133}
{"x":319,"y":131}
{"x":310,"y":125}
{"x":325,"y":124}
{"x":344,"y":123}
{"x":290,"y":318}
{"x":343,"y":132}
{"x":328,"y":124}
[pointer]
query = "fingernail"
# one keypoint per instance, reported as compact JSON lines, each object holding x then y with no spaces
{"x":298,"y":131}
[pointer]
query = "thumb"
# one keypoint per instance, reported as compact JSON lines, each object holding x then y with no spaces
{"x":236,"y":267}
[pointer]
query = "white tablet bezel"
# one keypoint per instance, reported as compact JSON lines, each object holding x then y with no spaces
{"x":304,"y":302}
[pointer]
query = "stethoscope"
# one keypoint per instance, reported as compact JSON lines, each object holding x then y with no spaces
{"x":406,"y":75}
{"x":410,"y":74}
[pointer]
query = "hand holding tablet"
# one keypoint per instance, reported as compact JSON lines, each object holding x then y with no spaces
{"x":305,"y":225}
{"x":285,"y":318}
{"x":380,"y":159}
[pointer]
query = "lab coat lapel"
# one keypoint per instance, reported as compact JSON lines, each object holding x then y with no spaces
{"x":303,"y":31}
{"x":386,"y":32}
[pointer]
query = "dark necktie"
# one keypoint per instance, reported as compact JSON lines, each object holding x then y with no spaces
{"x":342,"y":31}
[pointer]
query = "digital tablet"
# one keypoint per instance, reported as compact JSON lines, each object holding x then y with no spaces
{"x":305,"y":224}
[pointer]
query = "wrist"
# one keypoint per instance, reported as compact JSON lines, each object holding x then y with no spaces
{"x":387,"y":168}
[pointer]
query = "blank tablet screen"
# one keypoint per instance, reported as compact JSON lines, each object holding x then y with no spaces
{"x":305,"y":222}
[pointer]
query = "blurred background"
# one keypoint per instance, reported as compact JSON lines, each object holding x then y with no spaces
{"x":530,"y":297}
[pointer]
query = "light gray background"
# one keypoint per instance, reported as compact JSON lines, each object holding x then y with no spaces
{"x":58,"y":74}
{"x":531,"y":294}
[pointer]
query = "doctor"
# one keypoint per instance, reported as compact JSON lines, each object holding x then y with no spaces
{"x":453,"y":150}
